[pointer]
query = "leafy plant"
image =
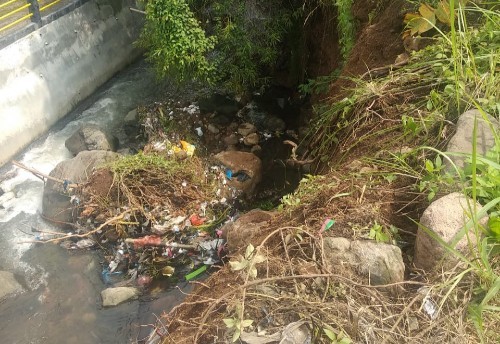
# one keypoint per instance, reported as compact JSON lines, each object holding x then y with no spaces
{"x":340,"y":338}
{"x":237,"y":325}
{"x":377,"y":233}
{"x":226,"y":42}
{"x":487,"y":176}
{"x":435,"y":177}
{"x":248,"y":262}
{"x":318,"y":85}
{"x":176,"y":42}
{"x":346,"y":26}
{"x":410,"y":127}
{"x":427,"y":17}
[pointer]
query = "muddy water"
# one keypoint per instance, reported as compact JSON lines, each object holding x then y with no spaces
{"x":61,"y":298}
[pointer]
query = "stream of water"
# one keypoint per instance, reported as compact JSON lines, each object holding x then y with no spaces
{"x":61,"y":302}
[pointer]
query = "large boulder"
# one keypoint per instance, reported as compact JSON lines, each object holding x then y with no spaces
{"x":90,"y":137}
{"x":462,"y":141}
{"x":445,"y":217}
{"x":57,"y":203}
{"x":381,"y":263}
{"x":8,"y":284}
{"x":245,"y":229}
{"x":245,"y":168}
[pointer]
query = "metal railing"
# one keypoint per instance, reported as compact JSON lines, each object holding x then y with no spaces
{"x":20,"y":17}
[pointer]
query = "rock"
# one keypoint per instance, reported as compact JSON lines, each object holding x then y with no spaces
{"x":219,"y":103}
{"x":445,"y":217}
{"x":257,"y":150}
{"x":461,"y":142}
{"x":231,"y":140}
{"x":90,"y":137}
{"x":131,"y":116}
{"x":381,"y":263}
{"x":115,"y":296}
{"x":242,"y":163}
{"x":213,"y":129}
{"x":246,"y":128}
{"x":131,"y":123}
{"x":56,"y":202}
{"x":251,"y":139}
{"x":8,"y":284}
{"x":245,"y":229}
{"x":221,"y":120}
{"x":273,"y":124}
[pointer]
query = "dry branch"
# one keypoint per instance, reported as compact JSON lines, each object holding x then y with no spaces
{"x":43,"y":176}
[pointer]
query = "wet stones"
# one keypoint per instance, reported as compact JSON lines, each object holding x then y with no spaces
{"x":90,"y":137}
{"x":8,"y":284}
{"x":231,"y":140}
{"x":115,"y":296}
{"x":251,"y":139}
{"x":241,"y":164}
{"x":246,"y":129}
{"x":57,"y":203}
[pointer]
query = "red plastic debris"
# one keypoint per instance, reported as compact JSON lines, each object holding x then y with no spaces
{"x":196,"y":220}
{"x":148,"y":240}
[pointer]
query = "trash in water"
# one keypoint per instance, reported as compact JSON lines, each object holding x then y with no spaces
{"x":196,"y":273}
{"x":148,"y":240}
{"x":199,"y":132}
{"x":168,"y":271}
{"x":109,"y":277}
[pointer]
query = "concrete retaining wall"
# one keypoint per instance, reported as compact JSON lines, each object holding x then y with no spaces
{"x":45,"y":74}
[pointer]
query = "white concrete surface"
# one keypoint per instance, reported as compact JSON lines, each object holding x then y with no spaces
{"x":45,"y":74}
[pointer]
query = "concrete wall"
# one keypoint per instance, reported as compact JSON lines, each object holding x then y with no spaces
{"x":45,"y":74}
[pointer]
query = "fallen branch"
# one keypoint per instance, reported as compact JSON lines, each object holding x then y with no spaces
{"x":43,"y":176}
{"x":84,"y":235}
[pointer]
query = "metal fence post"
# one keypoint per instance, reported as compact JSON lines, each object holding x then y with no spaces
{"x":35,"y":9}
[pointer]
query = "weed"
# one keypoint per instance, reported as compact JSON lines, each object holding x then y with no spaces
{"x":345,"y":26}
{"x":236,"y":325}
{"x":248,"y":261}
{"x":336,"y":338}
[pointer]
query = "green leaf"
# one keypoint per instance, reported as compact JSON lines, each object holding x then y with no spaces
{"x":259,"y":258}
{"x":494,"y":226}
{"x":429,"y":166}
{"x":249,"y":250}
{"x":246,"y":323}
{"x":238,"y":265}
{"x":330,"y":334}
{"x":443,"y":12}
{"x":229,"y":322}
{"x":236,"y":335}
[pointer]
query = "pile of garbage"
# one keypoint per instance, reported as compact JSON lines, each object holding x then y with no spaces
{"x":173,"y":206}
